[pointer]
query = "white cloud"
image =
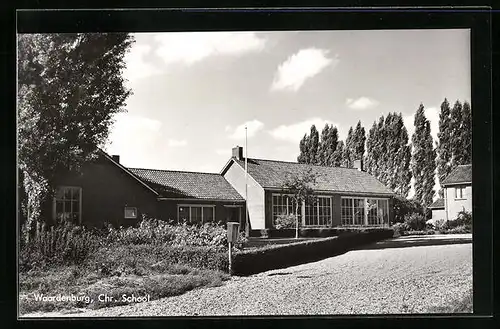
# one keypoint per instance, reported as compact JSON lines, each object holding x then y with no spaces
{"x":136,"y":68}
{"x":192,"y":47}
{"x":305,"y":64}
{"x":177,"y":143}
{"x":252,"y":128}
{"x":432,"y":114}
{"x":133,"y":136}
{"x":295,"y":132}
{"x":361,"y":103}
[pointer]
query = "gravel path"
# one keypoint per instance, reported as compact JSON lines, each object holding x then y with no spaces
{"x":378,"y":281}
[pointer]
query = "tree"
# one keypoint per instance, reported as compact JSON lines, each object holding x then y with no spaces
{"x":456,"y":134}
{"x":347,"y":152}
{"x":323,"y":153}
{"x":299,"y":188}
{"x":423,"y":159}
{"x":358,"y":143}
{"x":465,"y":156}
{"x":389,"y":154}
{"x":313,"y":144}
{"x":444,"y":145}
{"x":304,"y":153}
{"x":333,"y":142}
{"x":336,"y":159}
{"x":69,"y":87}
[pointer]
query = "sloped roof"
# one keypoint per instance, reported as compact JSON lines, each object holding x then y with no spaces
{"x":188,"y":184}
{"x":439,"y":203}
{"x":461,"y":174}
{"x":272,"y":174}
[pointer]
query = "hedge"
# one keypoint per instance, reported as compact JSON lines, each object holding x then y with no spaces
{"x":253,"y":261}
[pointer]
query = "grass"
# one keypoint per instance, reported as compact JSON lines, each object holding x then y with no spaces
{"x":156,"y":280}
{"x":459,"y":305}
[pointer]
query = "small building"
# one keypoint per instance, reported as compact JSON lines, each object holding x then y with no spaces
{"x":343,"y":196}
{"x":107,"y":192}
{"x":457,"y":191}
{"x":437,"y":210}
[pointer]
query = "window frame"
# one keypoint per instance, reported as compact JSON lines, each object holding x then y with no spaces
{"x":190,"y":220}
{"x":460,"y":188}
{"x":287,"y":206}
{"x":352,"y":213}
{"x":318,"y":206}
{"x":125,"y":212}
{"x":55,"y":199}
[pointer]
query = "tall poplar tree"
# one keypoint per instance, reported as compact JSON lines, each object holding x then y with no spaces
{"x":358,"y":143}
{"x":324,"y":146}
{"x":304,"y":153}
{"x":444,"y":146}
{"x":347,"y":151}
{"x":456,"y":134}
{"x":465,"y":156}
{"x":337,"y":156}
{"x":333,"y":141}
{"x":423,"y":159}
{"x":312,"y":145}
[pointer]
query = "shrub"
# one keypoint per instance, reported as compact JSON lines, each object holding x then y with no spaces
{"x":415,"y":222}
{"x":285,"y":221}
{"x":403,"y":207}
{"x":61,"y":244}
{"x":253,"y":261}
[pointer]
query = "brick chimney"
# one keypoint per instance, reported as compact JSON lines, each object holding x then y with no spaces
{"x":238,"y":152}
{"x":358,"y":164}
{"x":116,"y":158}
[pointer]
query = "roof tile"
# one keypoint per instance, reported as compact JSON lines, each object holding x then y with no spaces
{"x":461,"y":174}
{"x":272,"y":174}
{"x":188,"y":184}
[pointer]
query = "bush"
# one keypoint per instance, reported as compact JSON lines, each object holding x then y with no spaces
{"x":285,"y":221}
{"x":61,"y":244}
{"x":415,"y":222}
{"x":403,"y":207}
{"x":253,"y":261}
{"x":152,"y":231}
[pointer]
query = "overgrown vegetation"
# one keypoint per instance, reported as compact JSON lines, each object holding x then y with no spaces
{"x":155,"y":259}
{"x":415,"y":224}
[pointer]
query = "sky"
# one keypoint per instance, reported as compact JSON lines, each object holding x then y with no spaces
{"x":194,"y":92}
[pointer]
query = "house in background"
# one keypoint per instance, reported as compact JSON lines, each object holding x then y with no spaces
{"x":344,"y":196}
{"x":458,"y":191}
{"x":107,"y":192}
{"x":437,"y":210}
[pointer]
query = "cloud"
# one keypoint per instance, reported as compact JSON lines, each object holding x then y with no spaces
{"x":361,"y":103}
{"x":134,"y":136}
{"x":432,"y":114}
{"x":294,"y":132}
{"x":136,"y":68}
{"x":192,"y":47}
{"x":252,"y":128}
{"x":305,"y":64}
{"x":177,"y":143}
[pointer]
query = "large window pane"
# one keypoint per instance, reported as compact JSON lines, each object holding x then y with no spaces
{"x":183,"y":214}
{"x":208,"y":214}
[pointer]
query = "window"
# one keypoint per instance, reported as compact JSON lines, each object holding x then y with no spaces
{"x":364,"y":211}
{"x":67,"y":204}
{"x":318,"y":212}
{"x":283,"y":204}
{"x":195,"y":214}
{"x":460,"y":192}
{"x":130,"y":212}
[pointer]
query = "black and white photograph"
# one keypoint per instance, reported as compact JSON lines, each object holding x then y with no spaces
{"x":244,"y":173}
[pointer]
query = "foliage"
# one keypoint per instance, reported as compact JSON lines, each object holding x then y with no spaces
{"x":403,"y":206}
{"x":63,"y":244}
{"x":415,"y":222}
{"x":327,"y":150}
{"x":303,"y":155}
{"x":454,"y":145}
{"x":464,"y":218}
{"x":284,"y":221}
{"x":257,"y":260}
{"x":312,"y":145}
{"x":423,"y":159}
{"x":299,"y":186}
{"x":69,"y":87}
{"x":389,"y":154}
